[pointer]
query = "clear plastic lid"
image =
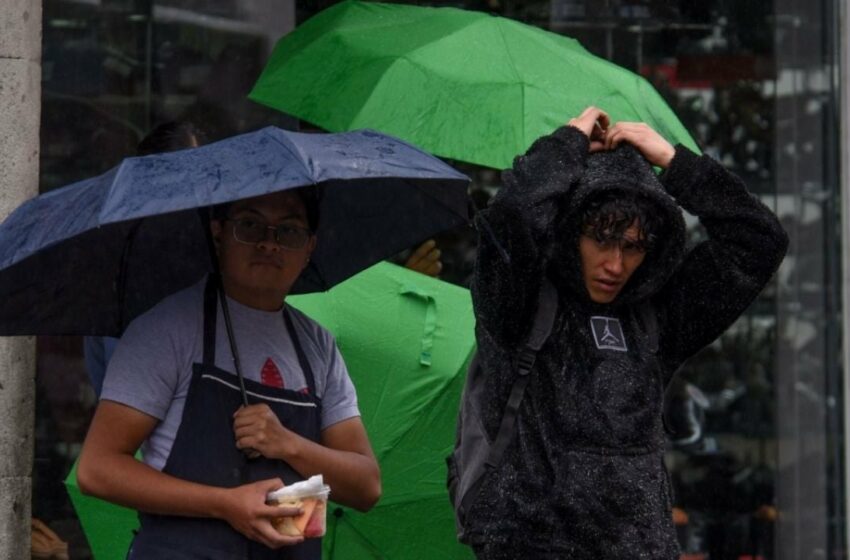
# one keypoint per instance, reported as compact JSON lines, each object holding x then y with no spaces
{"x":312,"y":487}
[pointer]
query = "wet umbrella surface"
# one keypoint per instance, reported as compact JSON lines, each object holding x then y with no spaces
{"x":89,"y":257}
{"x":461,"y":84}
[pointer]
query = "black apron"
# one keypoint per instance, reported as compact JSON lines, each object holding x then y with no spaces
{"x":204,"y":451}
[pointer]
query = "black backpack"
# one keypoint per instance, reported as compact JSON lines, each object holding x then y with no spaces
{"x":474,"y":454}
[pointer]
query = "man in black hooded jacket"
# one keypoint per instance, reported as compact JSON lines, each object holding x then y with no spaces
{"x":584,"y":476}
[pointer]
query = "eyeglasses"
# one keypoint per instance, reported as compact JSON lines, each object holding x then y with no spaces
{"x":251,"y":232}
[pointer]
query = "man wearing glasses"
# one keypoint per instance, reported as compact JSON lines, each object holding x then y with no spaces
{"x":170,"y":388}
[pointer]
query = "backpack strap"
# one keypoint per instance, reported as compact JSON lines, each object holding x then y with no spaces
{"x":650,"y":325}
{"x":544,"y":318}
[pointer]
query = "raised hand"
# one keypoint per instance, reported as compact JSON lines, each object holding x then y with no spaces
{"x":593,"y":122}
{"x":425,"y":259}
{"x":652,"y":145}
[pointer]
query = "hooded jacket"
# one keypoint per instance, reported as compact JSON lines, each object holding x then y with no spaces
{"x":584,"y":477}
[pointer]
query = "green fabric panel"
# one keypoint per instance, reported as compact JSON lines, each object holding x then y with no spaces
{"x":386,"y":320}
{"x":460,"y":84}
{"x":108,"y":527}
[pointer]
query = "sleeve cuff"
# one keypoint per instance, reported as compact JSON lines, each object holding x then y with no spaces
{"x":338,"y":415}
{"x":574,"y":138}
{"x":127,"y":399}
{"x":681,"y":172}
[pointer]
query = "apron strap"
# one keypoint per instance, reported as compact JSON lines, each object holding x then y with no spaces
{"x":210,"y":317}
{"x":299,"y":350}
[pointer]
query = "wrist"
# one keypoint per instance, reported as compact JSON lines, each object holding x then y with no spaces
{"x":218,"y":502}
{"x":288,"y":446}
{"x":666,"y":157}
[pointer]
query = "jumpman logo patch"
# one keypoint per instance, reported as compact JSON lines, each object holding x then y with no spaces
{"x":608,"y":334}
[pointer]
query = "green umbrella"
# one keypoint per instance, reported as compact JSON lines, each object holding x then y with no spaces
{"x":108,"y":528}
{"x":460,"y":84}
{"x":407,"y":340}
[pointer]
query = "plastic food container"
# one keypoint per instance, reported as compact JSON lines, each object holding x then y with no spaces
{"x":311,"y":496}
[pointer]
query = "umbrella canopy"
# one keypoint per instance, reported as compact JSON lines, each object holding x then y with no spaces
{"x":89,"y":257}
{"x":407,"y":340}
{"x":460,"y":84}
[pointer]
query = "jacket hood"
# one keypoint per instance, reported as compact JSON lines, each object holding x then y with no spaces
{"x":621,"y":170}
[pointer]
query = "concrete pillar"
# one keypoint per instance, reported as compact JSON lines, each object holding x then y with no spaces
{"x":20,"y":109}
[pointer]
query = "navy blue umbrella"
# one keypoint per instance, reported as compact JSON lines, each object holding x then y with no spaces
{"x":91,"y":256}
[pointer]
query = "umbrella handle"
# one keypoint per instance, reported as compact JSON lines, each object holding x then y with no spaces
{"x":225,"y":310}
{"x":248,"y":452}
{"x":204,"y":214}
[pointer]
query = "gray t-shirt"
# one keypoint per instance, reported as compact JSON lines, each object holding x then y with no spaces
{"x":152,"y":365}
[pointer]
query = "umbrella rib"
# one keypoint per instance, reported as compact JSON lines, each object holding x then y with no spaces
{"x":365,"y":105}
{"x":309,"y":171}
{"x":446,"y":386}
{"x":419,"y":418}
{"x":119,"y":174}
{"x":517,"y":76}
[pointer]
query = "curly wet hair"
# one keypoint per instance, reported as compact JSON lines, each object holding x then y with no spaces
{"x":608,"y":216}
